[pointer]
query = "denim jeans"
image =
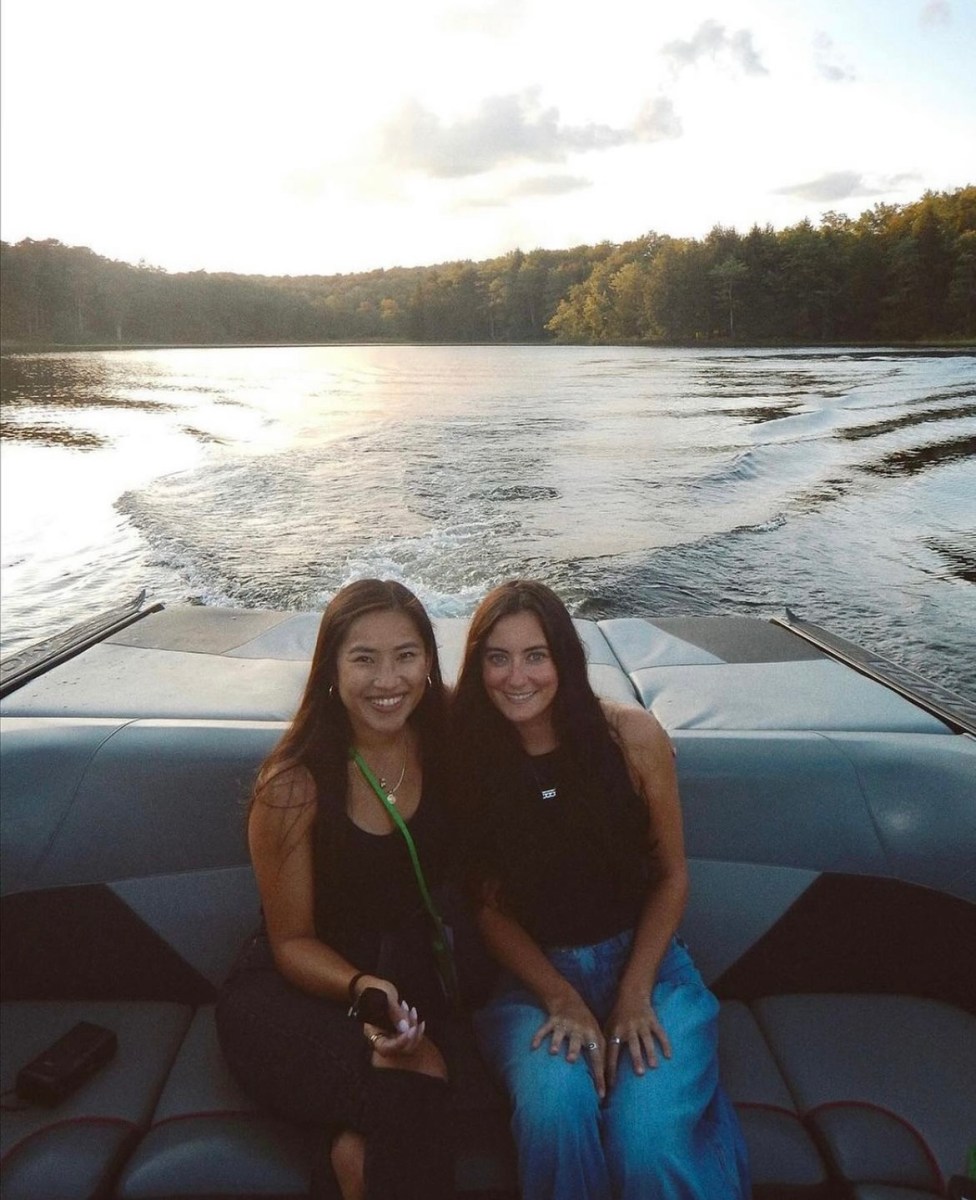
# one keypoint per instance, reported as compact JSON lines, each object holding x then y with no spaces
{"x":669,"y":1134}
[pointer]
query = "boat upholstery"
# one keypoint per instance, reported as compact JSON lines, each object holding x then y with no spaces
{"x":831,"y":904}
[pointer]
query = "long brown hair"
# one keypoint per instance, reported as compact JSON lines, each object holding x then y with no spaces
{"x":576,"y":710}
{"x":489,"y":771}
{"x":320,"y":735}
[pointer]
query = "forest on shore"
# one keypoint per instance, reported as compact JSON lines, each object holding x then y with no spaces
{"x":900,"y":273}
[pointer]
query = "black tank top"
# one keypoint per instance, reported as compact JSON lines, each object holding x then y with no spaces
{"x":368,"y":904}
{"x":574,"y":860}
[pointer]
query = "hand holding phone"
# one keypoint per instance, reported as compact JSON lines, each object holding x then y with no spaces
{"x":372,"y":1007}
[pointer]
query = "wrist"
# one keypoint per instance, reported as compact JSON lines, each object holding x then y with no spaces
{"x":635,"y":986}
{"x":558,"y":995}
{"x":353,"y":988}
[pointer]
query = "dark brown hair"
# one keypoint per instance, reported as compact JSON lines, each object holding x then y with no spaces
{"x":576,"y":710}
{"x":489,"y":770}
{"x":320,"y":735}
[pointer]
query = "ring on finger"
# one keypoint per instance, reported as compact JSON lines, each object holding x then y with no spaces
{"x":591,"y":1046}
{"x":372,"y":1039}
{"x":615,"y":1041}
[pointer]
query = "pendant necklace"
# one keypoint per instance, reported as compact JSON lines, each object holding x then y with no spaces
{"x":392,"y":791}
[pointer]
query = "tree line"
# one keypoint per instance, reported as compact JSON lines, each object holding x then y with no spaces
{"x":904,"y":273}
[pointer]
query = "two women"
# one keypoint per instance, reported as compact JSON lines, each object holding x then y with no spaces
{"x":601,"y":1028}
{"x":343,"y":911}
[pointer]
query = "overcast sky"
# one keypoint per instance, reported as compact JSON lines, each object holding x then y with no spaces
{"x":321,"y":136}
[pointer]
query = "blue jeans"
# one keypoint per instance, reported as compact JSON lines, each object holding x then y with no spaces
{"x":669,"y":1134}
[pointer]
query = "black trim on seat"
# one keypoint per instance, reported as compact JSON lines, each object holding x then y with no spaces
{"x":854,"y":933}
{"x":85,"y":943}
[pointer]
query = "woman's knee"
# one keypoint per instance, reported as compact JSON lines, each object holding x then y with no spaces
{"x":425,"y":1060}
{"x":556,"y":1101}
{"x":348,"y":1156}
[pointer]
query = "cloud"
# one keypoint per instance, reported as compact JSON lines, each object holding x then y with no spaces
{"x":505,"y":130}
{"x":657,"y":121}
{"x":936,"y":12}
{"x":540,"y":185}
{"x":843,"y":185}
{"x":829,"y":62}
{"x":550,"y":185}
{"x":490,"y":18}
{"x":713,"y":40}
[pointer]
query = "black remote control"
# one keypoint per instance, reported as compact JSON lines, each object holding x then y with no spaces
{"x":64,"y":1066}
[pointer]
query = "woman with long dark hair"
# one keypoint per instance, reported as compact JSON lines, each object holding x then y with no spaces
{"x":343,"y":910}
{"x":600,"y":1028}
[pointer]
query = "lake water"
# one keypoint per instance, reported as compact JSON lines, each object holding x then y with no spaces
{"x":633,"y":480}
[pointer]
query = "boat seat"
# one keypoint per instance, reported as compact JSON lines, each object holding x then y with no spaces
{"x":207,"y":1138}
{"x":782,"y":1155}
{"x":886,"y":1083}
{"x":96,"y":1127}
{"x":848,"y":1051}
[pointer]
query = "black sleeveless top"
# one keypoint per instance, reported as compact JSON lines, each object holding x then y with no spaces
{"x":368,"y":904}
{"x":573,"y":858}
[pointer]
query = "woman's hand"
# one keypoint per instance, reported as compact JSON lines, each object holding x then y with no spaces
{"x":633,"y":1027}
{"x":572,"y":1023}
{"x":407,"y":1034}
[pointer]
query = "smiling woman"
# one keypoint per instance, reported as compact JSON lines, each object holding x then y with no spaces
{"x":520,"y":677}
{"x":600,"y":1027}
{"x":342,"y":914}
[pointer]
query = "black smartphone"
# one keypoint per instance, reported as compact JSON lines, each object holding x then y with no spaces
{"x":373,"y":1008}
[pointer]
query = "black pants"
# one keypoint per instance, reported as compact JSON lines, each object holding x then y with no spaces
{"x":305,"y":1060}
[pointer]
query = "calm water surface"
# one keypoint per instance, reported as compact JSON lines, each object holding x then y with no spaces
{"x":840,"y":484}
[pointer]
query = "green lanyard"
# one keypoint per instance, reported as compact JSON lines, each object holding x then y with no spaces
{"x":442,"y":948}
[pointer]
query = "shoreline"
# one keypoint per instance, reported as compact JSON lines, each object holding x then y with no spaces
{"x":922,"y":345}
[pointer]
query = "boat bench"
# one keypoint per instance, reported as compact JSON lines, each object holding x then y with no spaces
{"x":831,"y":910}
{"x":126,"y":904}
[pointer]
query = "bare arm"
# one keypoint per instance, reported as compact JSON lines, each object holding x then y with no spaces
{"x":280,"y":831}
{"x":568,"y":1017}
{"x":280,"y":839}
{"x":650,"y":759}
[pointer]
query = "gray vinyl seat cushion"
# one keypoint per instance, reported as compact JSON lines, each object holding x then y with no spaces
{"x":93,"y":1129}
{"x":887,"y":1082}
{"x":208,"y":1138}
{"x":780,"y":1148}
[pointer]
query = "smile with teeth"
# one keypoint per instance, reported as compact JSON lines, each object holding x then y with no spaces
{"x":519,"y":697}
{"x":385,"y":703}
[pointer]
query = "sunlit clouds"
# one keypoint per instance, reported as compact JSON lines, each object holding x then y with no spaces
{"x":309,"y":138}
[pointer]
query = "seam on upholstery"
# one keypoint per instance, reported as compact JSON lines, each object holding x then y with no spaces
{"x":45,"y":853}
{"x":811,"y":1113}
{"x":763,"y":1106}
{"x":777,"y":1061}
{"x":879,"y":836}
{"x":203,"y":1114}
{"x":131,"y":1126}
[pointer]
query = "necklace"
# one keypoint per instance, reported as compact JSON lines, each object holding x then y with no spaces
{"x":392,"y":791}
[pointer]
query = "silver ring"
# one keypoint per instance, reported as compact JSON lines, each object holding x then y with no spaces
{"x":591,"y":1045}
{"x":615,"y":1040}
{"x":372,"y":1039}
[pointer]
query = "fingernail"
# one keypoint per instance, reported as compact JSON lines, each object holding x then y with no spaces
{"x":413,"y":1013}
{"x":403,"y":1005}
{"x":403,"y":1025}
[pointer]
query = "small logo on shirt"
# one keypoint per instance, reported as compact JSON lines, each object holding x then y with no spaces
{"x":548,"y":793}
